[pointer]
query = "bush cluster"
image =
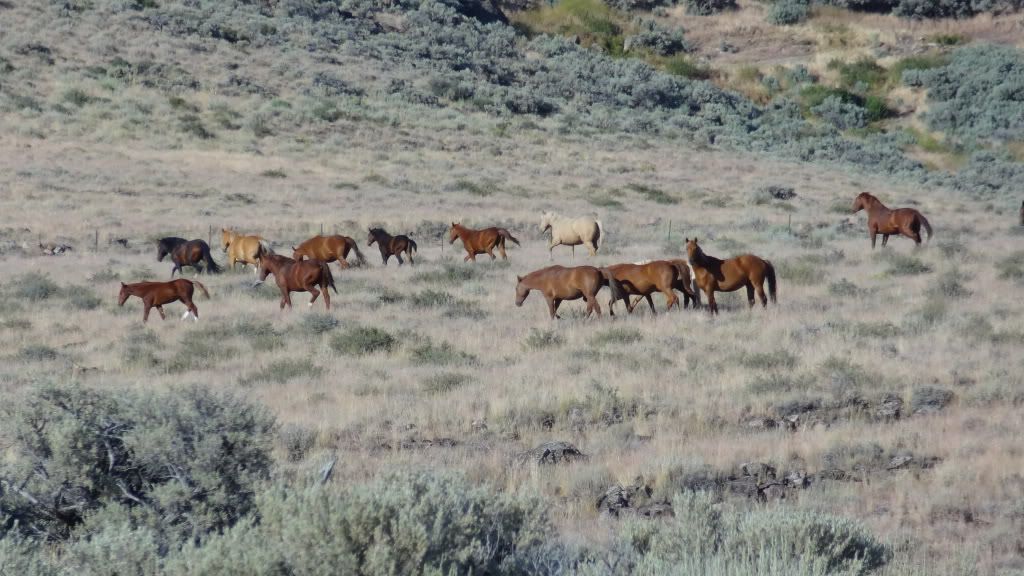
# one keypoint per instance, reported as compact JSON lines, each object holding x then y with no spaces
{"x":788,"y":12}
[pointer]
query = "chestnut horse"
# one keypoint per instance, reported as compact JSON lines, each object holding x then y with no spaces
{"x":481,"y":241}
{"x":329,"y":249}
{"x":297,"y":276}
{"x":186,"y":253}
{"x":559,"y":283}
{"x":244,"y":249}
{"x":644,"y":279}
{"x":881,"y":220}
{"x":156,"y":294}
{"x":391,"y":245}
{"x":746,"y":271}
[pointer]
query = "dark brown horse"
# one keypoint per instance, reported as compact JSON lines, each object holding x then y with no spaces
{"x":746,"y":271}
{"x":156,"y":294}
{"x":297,"y":276}
{"x":329,"y":249}
{"x":391,"y":245}
{"x":186,"y":253}
{"x":481,"y":241}
{"x":881,"y":220}
{"x":644,"y":279}
{"x":559,"y":283}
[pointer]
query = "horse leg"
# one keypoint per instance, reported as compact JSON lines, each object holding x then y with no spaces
{"x":490,"y":252}
{"x":553,"y":308}
{"x":750,"y":293}
{"x":312,"y":290}
{"x":590,"y":246}
{"x":885,"y":240}
{"x":611,"y":305}
{"x":501,"y":250}
{"x":160,"y":309}
{"x":760,"y":294}
{"x":399,"y":256}
{"x":873,"y":233}
{"x":593,"y":305}
{"x":712,"y":305}
{"x":670,"y":299}
{"x":408,"y":254}
{"x":551,"y":251}
{"x":327,"y":296}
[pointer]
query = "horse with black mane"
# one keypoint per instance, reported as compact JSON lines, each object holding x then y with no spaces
{"x":392,"y":245}
{"x":194,"y":253}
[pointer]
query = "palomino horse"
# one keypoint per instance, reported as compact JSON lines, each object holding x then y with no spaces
{"x":297,"y":276}
{"x":746,"y":271}
{"x":391,"y":245}
{"x":559,"y":283}
{"x":481,"y":241}
{"x":644,"y":279}
{"x":186,"y":253}
{"x":329,"y":249}
{"x":244,"y":249}
{"x":881,"y":220}
{"x":572,"y":232}
{"x":156,"y":294}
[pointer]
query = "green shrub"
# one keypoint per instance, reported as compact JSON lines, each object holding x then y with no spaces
{"x":708,"y":7}
{"x":1012,"y":266}
{"x":413,"y":523}
{"x":769,"y":360}
{"x":450,"y":273}
{"x":860,"y":75}
{"x":183,"y":463}
{"x":285,"y":369}
{"x":362,"y":340}
{"x":33,"y":286}
{"x":431,"y":299}
{"x":82,"y":298}
{"x":653,"y":194}
{"x":903,"y":265}
{"x":443,"y":353}
{"x":539,"y":339}
{"x":786,"y":12}
{"x":37,"y":353}
{"x":318,"y":323}
{"x":685,"y":67}
{"x":444,"y":382}
{"x":614,"y":336}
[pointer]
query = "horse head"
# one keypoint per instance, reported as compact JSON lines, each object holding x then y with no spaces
{"x":862,"y":201}
{"x":521,"y":291}
{"x":226,"y":237}
{"x":298,"y":253}
{"x":693,"y":250}
{"x":161,"y":251}
{"x":123,"y":295}
{"x":545,"y":221}
{"x":372,"y":237}
{"x":453,"y":233}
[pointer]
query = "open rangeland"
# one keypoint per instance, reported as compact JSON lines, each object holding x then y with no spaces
{"x":891,"y":378}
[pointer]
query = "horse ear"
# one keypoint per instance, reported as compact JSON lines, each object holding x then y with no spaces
{"x":694,"y":239}
{"x":519,"y":278}
{"x":123,"y":284}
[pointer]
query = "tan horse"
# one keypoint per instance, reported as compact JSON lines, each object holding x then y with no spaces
{"x":881,"y":220}
{"x":646,"y":278}
{"x":572,"y":232}
{"x":329,"y":249}
{"x":244,"y":249}
{"x":746,"y":271}
{"x":559,"y":283}
{"x":481,"y":241}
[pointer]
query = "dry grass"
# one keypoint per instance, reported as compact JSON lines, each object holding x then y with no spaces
{"x":641,"y":395}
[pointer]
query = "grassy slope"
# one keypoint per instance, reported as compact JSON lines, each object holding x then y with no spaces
{"x":692,"y":377}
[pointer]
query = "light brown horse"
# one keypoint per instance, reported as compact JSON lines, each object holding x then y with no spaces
{"x":244,"y":249}
{"x":481,"y":241}
{"x":156,"y":294}
{"x":746,"y":271}
{"x":559,"y":283}
{"x":881,"y":220}
{"x":329,"y":249}
{"x":392,"y":245}
{"x":644,"y":279}
{"x":297,"y":276}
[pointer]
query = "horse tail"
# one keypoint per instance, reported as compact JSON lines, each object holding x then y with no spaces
{"x":201,"y":287}
{"x":264,"y":248}
{"x":769,"y":273}
{"x":617,"y":292}
{"x":684,"y":274}
{"x":326,"y":278}
{"x":927,"y":226}
{"x":506,"y":234}
{"x":412,"y":244}
{"x":211,"y":266}
{"x":600,"y":235}
{"x":355,"y":246}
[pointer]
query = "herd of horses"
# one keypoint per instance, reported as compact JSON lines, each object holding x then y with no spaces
{"x":307,"y":269}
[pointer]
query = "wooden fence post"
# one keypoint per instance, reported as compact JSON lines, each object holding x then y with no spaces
{"x":96,"y":240}
{"x":669,"y":236}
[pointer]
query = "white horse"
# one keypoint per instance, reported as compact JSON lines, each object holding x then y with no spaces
{"x":572,"y":232}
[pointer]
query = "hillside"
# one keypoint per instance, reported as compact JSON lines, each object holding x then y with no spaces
{"x":867,"y":423}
